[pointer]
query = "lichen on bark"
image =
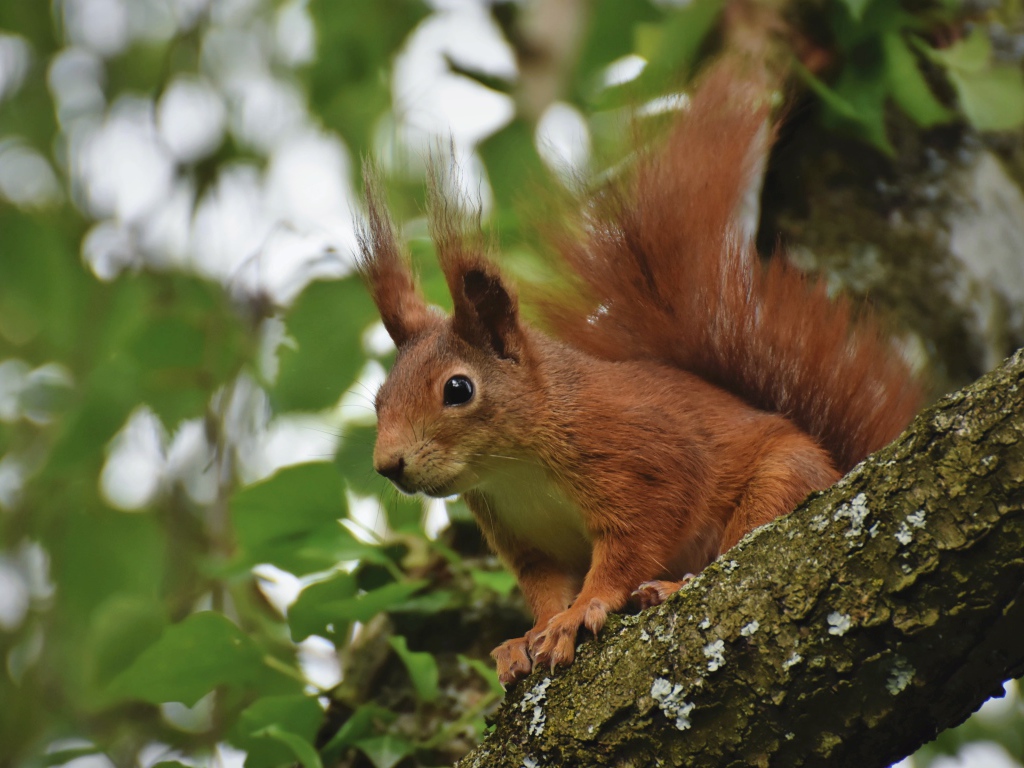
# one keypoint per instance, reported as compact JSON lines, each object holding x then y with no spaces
{"x":847,"y":633}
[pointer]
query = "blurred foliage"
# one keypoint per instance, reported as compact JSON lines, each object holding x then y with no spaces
{"x":999,"y":722}
{"x":119,"y":606}
{"x":890,"y":55}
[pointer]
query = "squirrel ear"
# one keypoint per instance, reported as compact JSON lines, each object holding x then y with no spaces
{"x":385,"y":268}
{"x":486,"y":310}
{"x":496,"y":310}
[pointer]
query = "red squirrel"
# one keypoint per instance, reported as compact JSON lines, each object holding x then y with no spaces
{"x":686,"y":392}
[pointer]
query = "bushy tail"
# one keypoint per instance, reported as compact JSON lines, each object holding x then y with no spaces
{"x":664,"y":273}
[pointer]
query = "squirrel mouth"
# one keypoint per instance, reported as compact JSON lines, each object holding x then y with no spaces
{"x":442,"y":492}
{"x":434,"y":492}
{"x":403,"y":488}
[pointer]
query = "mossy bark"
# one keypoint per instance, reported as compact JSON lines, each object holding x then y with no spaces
{"x":847,"y":633}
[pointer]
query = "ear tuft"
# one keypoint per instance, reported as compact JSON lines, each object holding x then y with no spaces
{"x":385,"y":267}
{"x":486,"y":312}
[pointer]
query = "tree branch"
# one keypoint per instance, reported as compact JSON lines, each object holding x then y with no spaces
{"x":847,"y":633}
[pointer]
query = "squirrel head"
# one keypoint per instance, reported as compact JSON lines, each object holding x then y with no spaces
{"x":460,"y":383}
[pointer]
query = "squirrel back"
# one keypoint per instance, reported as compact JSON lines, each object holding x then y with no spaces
{"x":663,"y":272}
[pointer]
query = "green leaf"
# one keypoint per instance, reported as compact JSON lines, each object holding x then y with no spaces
{"x":432,"y":602}
{"x":501,"y":582}
{"x":610,"y":36}
{"x":856,"y":104}
{"x":857,"y":38}
{"x":364,"y":607}
{"x":487,"y":672}
{"x":62,"y":756}
{"x":422,"y":669}
{"x":304,"y":615}
{"x":992,"y":100}
{"x":138,"y":68}
{"x":121,"y":629}
{"x":971,"y":54}
{"x":671,"y":47}
{"x":857,"y":7}
{"x":991,"y":97}
{"x":405,"y":513}
{"x":357,"y":728}
{"x":189,"y":660}
{"x":99,"y":553}
{"x":292,"y":520}
{"x":355,"y":460}
{"x":43,"y":289}
{"x":513,"y":165}
{"x":168,"y":342}
{"x":356,"y":43}
{"x":832,"y":100}
{"x":188,"y":342}
{"x":386,"y":751}
{"x":298,"y":746}
{"x":908,"y":86}
{"x":428,"y":271}
{"x":326,"y":324}
{"x":266,"y":719}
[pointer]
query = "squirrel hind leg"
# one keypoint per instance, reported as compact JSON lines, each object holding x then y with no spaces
{"x":652,"y":593}
{"x":790,"y":469}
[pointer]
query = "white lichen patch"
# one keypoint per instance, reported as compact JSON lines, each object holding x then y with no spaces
{"x":792,"y":661}
{"x":818,"y":523}
{"x":856,"y":511}
{"x":900,"y":676}
{"x":535,"y":698}
{"x":839,"y":623}
{"x":750,"y":628}
{"x":663,"y":633}
{"x":904,"y":534}
{"x":670,"y":701}
{"x":706,"y":624}
{"x":715,"y":653}
{"x":730,"y":566}
{"x":644,"y":636}
{"x":537,"y":722}
{"x":529,"y":762}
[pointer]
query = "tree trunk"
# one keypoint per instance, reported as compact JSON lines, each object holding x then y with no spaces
{"x":847,"y":633}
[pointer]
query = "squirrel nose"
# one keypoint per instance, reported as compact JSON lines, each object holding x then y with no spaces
{"x":393,"y":471}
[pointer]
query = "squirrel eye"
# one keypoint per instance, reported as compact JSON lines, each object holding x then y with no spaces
{"x":458,"y":390}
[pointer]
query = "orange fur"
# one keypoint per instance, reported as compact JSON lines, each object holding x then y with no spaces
{"x":692,"y":396}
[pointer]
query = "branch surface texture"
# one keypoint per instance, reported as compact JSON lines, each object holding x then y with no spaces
{"x":847,"y":633}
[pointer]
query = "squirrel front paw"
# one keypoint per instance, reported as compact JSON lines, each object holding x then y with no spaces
{"x":555,"y":645}
{"x":512,"y":660}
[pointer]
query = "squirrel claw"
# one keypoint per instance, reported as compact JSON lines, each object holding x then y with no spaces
{"x":555,"y":645}
{"x":555,"y":649}
{"x":596,"y":615}
{"x":652,"y":593}
{"x":512,"y":660}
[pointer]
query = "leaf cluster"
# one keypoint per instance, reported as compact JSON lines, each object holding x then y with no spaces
{"x":933,"y":64}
